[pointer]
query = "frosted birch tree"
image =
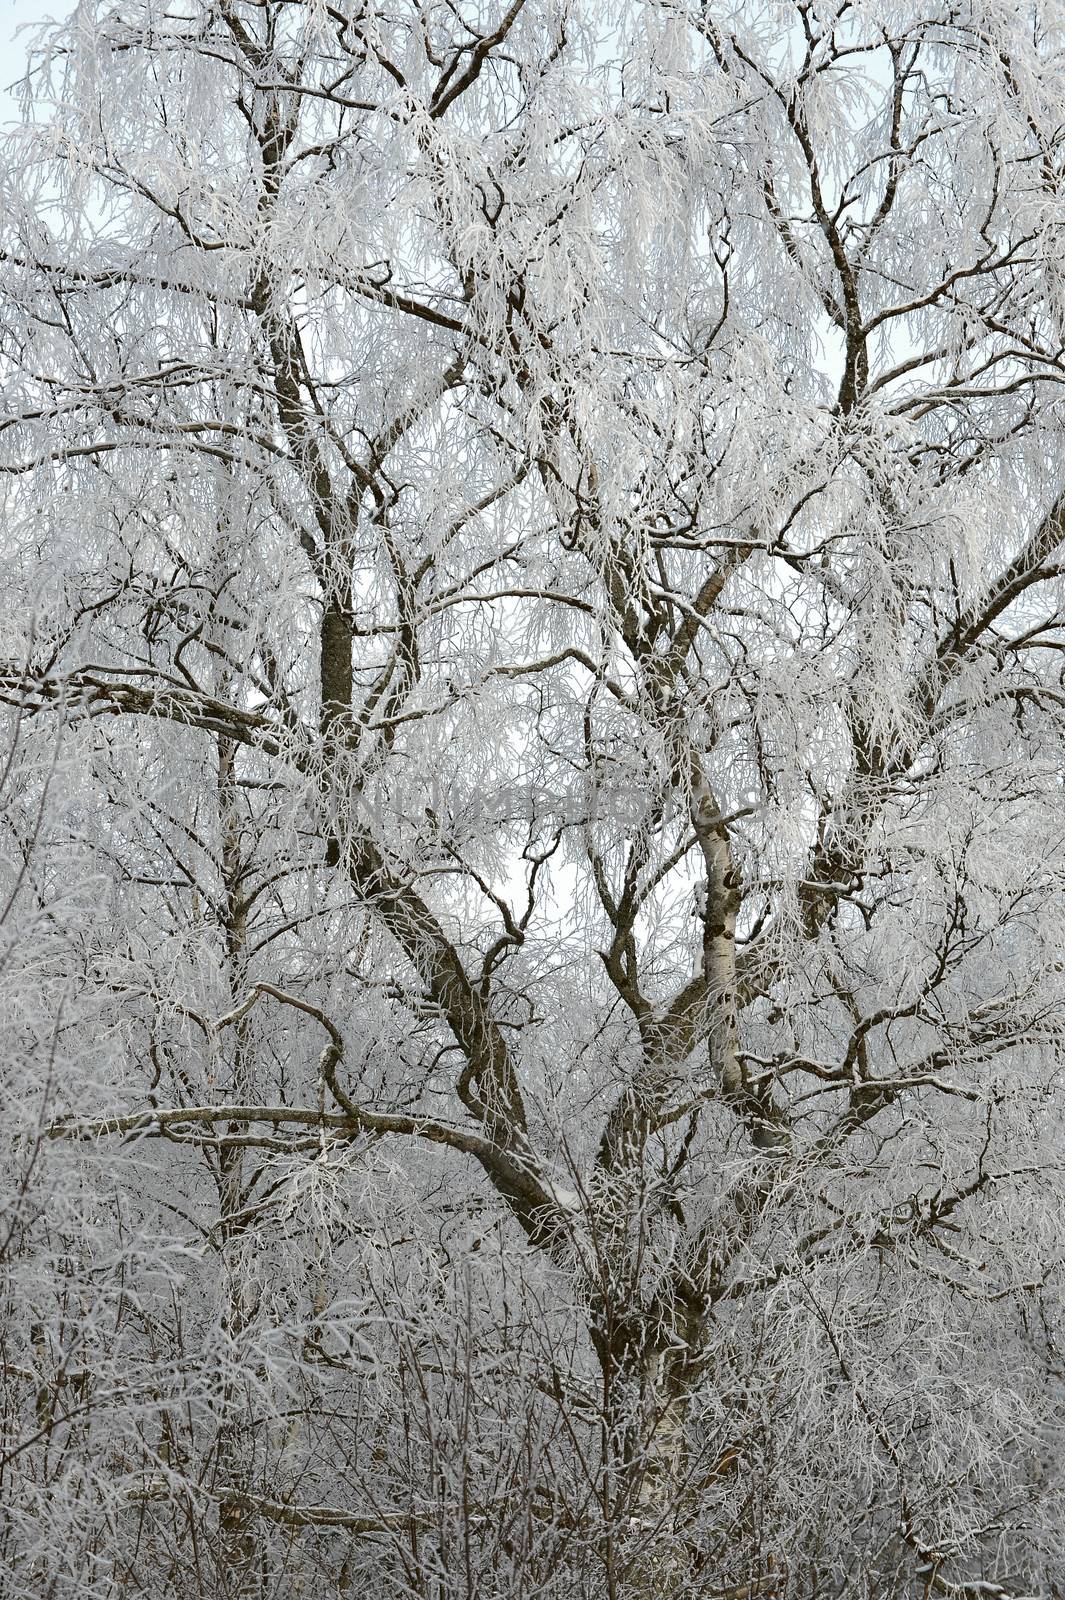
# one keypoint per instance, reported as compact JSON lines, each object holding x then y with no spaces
{"x":533,"y":810}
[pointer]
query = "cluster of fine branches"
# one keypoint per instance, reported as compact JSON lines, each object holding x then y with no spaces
{"x":532,"y":672}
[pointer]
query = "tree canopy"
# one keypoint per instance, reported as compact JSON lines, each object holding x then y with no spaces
{"x":532,"y":841}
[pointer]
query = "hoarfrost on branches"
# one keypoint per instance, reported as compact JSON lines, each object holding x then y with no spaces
{"x":532,"y":837}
